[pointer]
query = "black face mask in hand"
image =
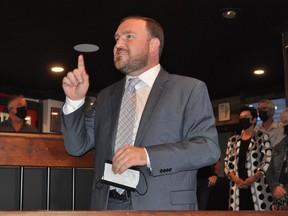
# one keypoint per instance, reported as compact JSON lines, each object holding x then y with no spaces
{"x":263,"y":115}
{"x":245,"y":123}
{"x":21,"y":112}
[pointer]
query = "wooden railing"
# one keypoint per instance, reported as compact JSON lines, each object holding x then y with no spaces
{"x":40,"y":150}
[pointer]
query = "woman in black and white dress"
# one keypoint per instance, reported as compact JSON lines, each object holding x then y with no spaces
{"x":247,"y":159}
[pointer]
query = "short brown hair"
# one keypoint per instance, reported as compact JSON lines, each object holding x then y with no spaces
{"x":153,"y":27}
{"x":271,"y":104}
{"x":12,"y":98}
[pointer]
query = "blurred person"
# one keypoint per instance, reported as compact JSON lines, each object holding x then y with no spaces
{"x":266,"y":111}
{"x":247,"y":159}
{"x":17,"y":108}
{"x":206,"y":179}
{"x":277,"y":173}
{"x":284,"y":117}
{"x":172,"y":136}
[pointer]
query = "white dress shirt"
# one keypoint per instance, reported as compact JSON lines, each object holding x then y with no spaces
{"x":143,"y":90}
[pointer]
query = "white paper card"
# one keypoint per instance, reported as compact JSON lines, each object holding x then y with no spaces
{"x":129,"y":178}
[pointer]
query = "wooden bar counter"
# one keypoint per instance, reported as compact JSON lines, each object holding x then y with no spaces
{"x":41,"y":150}
{"x":37,"y":173}
{"x":47,"y":150}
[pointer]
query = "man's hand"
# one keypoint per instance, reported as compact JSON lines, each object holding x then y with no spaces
{"x":127,"y":157}
{"x":76,"y":83}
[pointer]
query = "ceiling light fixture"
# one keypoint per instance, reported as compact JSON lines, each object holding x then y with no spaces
{"x":86,"y":48}
{"x":57,"y":69}
{"x":259,"y":72}
{"x":230,"y":13}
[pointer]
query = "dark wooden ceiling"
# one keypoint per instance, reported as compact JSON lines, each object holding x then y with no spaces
{"x":36,"y":34}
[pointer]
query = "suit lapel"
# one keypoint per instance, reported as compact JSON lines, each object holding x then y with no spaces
{"x":157,"y":91}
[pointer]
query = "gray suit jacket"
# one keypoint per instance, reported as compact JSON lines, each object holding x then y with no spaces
{"x":177,"y":128}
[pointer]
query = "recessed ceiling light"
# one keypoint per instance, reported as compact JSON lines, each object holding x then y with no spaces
{"x":57,"y":69}
{"x":86,"y":48}
{"x":230,"y":13}
{"x":259,"y":72}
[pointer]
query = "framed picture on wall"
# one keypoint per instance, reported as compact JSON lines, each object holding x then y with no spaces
{"x":224,"y":111}
{"x":55,"y":120}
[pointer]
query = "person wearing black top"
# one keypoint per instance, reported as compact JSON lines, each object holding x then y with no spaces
{"x":206,"y":179}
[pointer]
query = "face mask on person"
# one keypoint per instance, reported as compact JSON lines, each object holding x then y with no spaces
{"x":21,"y":112}
{"x":263,"y":115}
{"x":245,"y":123}
{"x":286,"y":129}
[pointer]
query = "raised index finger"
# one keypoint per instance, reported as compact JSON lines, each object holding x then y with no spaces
{"x":81,"y":64}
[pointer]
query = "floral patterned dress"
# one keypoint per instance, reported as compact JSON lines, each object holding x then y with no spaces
{"x":258,"y":157}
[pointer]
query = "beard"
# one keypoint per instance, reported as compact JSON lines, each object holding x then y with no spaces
{"x":132,"y":64}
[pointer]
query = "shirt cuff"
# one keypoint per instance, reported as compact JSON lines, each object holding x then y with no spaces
{"x":72,"y":105}
{"x":148,"y":160}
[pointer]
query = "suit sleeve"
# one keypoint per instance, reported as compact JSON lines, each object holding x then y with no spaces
{"x":199,"y":145}
{"x":271,"y":176}
{"x":78,"y":131}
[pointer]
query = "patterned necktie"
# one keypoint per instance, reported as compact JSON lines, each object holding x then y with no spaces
{"x":127,"y":116}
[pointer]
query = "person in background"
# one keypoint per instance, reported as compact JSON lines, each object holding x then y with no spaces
{"x":277,"y":173}
{"x":172,"y":135}
{"x":206,"y":179}
{"x":266,"y":111}
{"x":17,"y":108}
{"x":247,"y":159}
{"x":284,"y":117}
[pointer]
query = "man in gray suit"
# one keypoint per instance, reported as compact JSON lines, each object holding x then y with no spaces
{"x":173,"y":136}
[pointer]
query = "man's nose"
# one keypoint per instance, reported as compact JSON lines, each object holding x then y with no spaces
{"x":119,"y":43}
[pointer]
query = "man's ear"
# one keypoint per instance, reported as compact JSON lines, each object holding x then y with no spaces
{"x":154,"y":45}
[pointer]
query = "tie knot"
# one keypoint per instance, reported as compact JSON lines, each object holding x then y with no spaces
{"x":132,"y":83}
